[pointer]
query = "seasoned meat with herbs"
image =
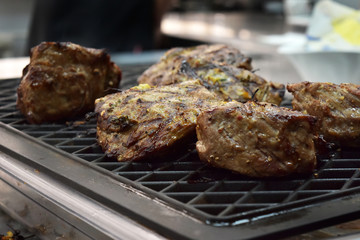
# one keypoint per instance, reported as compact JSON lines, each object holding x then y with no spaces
{"x":148,"y":122}
{"x":257,"y":139}
{"x":162,"y":72}
{"x":63,"y":80}
{"x":231,"y":83}
{"x":337,"y":108}
{"x":229,"y":78}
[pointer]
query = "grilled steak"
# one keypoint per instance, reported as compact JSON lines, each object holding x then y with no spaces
{"x":226,"y":75}
{"x":144,"y":122}
{"x":257,"y":139}
{"x":337,"y":108}
{"x":63,"y":80}
{"x":162,"y":72}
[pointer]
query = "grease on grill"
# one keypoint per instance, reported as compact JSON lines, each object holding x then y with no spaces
{"x":90,"y":115}
{"x":207,"y":175}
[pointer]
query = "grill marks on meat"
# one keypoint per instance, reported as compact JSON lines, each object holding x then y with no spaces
{"x":144,"y":122}
{"x":337,"y":108}
{"x":63,"y":80}
{"x":257,"y":139}
{"x":163,"y":72}
{"x":222,"y":69}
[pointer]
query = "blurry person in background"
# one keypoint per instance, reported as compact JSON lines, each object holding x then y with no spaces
{"x":118,"y":26}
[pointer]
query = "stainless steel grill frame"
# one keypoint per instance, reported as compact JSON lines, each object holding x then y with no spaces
{"x":176,"y":198}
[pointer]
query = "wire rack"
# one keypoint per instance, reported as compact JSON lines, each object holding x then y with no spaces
{"x":217,"y":196}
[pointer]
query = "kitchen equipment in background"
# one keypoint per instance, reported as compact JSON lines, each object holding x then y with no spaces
{"x":330,"y":50}
{"x":325,"y":66}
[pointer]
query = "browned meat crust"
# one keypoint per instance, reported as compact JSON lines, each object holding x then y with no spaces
{"x":144,"y":122}
{"x":221,"y":69}
{"x":257,"y":139}
{"x":337,"y":108}
{"x":63,"y":80}
{"x":161,"y":73}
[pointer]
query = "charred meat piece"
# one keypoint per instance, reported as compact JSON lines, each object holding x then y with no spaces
{"x":257,"y":139}
{"x":147,"y":122}
{"x":162,"y":72}
{"x":63,"y":80}
{"x":221,"y":69}
{"x":337,"y":108}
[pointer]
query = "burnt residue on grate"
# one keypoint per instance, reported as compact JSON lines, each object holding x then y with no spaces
{"x":216,"y":195}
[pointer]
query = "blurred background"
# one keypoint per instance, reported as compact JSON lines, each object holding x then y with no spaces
{"x":139,"y":31}
{"x":146,"y":25}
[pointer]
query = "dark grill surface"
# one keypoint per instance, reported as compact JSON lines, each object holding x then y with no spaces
{"x":215,"y":196}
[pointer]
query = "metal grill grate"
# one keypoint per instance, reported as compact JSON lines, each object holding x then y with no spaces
{"x":217,"y":196}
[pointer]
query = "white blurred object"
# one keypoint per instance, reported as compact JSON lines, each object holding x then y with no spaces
{"x":331,"y":66}
{"x":334,"y":26}
{"x":330,"y":52}
{"x":292,"y":38}
{"x":297,"y":12}
{"x":323,"y":14}
{"x":12,"y":67}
